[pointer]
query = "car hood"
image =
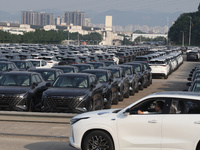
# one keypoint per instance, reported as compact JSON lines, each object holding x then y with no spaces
{"x":13,"y":89}
{"x":66,"y":91}
{"x":98,"y":113}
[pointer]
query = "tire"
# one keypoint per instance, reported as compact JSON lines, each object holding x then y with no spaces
{"x":127,"y":94}
{"x":121,"y":98}
{"x":90,"y":106}
{"x":31,"y":105}
{"x":132,"y":92}
{"x":97,"y":140}
{"x":166,"y":77}
{"x":109,"y":103}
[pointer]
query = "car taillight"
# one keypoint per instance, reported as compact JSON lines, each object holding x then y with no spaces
{"x":164,"y":65}
{"x":50,"y":62}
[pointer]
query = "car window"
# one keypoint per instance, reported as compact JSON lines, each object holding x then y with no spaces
{"x":180,"y":106}
{"x":34,"y":79}
{"x":3,"y":67}
{"x":15,"y":80}
{"x":38,"y":78}
{"x":71,"y":82}
{"x":149,"y":106}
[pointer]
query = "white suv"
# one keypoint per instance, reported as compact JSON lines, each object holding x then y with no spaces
{"x":176,"y":126}
{"x":39,"y":63}
{"x":51,"y":60}
{"x":160,"y":67}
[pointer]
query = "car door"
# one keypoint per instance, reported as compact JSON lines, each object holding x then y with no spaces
{"x":181,"y":127}
{"x":141,"y":132}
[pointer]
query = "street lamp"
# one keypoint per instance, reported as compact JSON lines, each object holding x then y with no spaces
{"x":190,"y":30}
{"x":182,"y":38}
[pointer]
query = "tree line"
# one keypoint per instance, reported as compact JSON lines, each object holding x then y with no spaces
{"x":181,"y":29}
{"x":47,"y":37}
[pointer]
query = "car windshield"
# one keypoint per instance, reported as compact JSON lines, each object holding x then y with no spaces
{"x":127,"y":71}
{"x":196,"y":87}
{"x":3,"y":67}
{"x":71,"y":82}
{"x":20,"y":65}
{"x":116,"y":73}
{"x":140,"y":59}
{"x":36,"y":63}
{"x":108,"y":64}
{"x":47,"y":75}
{"x":102,"y":77}
{"x":68,"y":70}
{"x":14,"y":80}
{"x":157,"y":62}
{"x":137,"y":67}
{"x":97,"y":65}
{"x":81,"y":68}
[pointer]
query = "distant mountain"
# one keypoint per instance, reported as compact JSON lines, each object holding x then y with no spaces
{"x":123,"y":18}
{"x":145,"y":17}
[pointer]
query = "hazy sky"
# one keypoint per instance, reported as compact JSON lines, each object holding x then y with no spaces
{"x":13,"y":6}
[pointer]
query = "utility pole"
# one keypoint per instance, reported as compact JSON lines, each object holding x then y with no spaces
{"x":78,"y":40}
{"x":183,"y":38}
{"x":68,"y":37}
{"x":190,"y":30}
{"x":167,"y":30}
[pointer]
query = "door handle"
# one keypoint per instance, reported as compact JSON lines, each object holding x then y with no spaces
{"x":152,"y":121}
{"x":197,"y":122}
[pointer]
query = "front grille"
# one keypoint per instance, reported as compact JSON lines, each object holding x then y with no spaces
{"x":9,"y":100}
{"x":62,"y":102}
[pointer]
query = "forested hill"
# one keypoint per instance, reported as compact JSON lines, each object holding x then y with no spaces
{"x":182,"y":27}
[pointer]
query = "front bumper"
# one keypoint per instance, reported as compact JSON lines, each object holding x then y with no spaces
{"x":64,"y":104}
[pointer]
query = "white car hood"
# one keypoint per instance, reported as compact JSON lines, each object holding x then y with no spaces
{"x":97,"y":113}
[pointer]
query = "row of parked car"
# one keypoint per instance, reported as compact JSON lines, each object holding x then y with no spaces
{"x":75,"y":88}
{"x":194,"y":80}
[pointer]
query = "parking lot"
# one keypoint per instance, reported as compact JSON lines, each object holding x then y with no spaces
{"x":37,"y":134}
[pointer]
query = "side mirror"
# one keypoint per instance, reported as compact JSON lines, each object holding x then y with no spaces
{"x":189,"y":84}
{"x":34,"y":85}
{"x":127,"y":112}
{"x":10,"y":69}
{"x":48,"y":84}
{"x":189,"y":79}
{"x":190,"y":75}
{"x":110,"y":80}
{"x":92,"y":86}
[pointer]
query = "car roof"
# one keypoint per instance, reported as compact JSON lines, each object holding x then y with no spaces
{"x":75,"y":74}
{"x":176,"y":94}
{"x":95,"y":70}
{"x":20,"y":72}
{"x":44,"y":69}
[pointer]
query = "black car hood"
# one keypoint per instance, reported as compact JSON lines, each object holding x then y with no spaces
{"x":66,"y":91}
{"x":13,"y":89}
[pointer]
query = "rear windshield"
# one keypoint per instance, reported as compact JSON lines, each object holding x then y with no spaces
{"x":157,"y":62}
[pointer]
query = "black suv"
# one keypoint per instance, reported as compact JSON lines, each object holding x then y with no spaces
{"x":76,"y":92}
{"x":139,"y":68}
{"x":67,"y":69}
{"x":97,"y":64}
{"x":123,"y":81}
{"x":82,"y":67}
{"x":48,"y":74}
{"x":7,"y":66}
{"x":23,"y":65}
{"x":21,"y":90}
{"x":133,"y":78}
{"x":147,"y":71}
{"x":105,"y":77}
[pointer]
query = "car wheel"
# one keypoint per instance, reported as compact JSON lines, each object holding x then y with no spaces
{"x":98,"y":140}
{"x":166,"y":77}
{"x":132,"y":92}
{"x":121,"y":98}
{"x":31,"y":105}
{"x":109,"y":102}
{"x":91,"y":107}
{"x":127,"y":94}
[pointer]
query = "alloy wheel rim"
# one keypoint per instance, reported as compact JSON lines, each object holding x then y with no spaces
{"x":98,"y":143}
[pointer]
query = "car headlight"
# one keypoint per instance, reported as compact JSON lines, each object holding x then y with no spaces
{"x":74,"y":120}
{"x":44,"y":95}
{"x":22,"y":96}
{"x":82,"y":97}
